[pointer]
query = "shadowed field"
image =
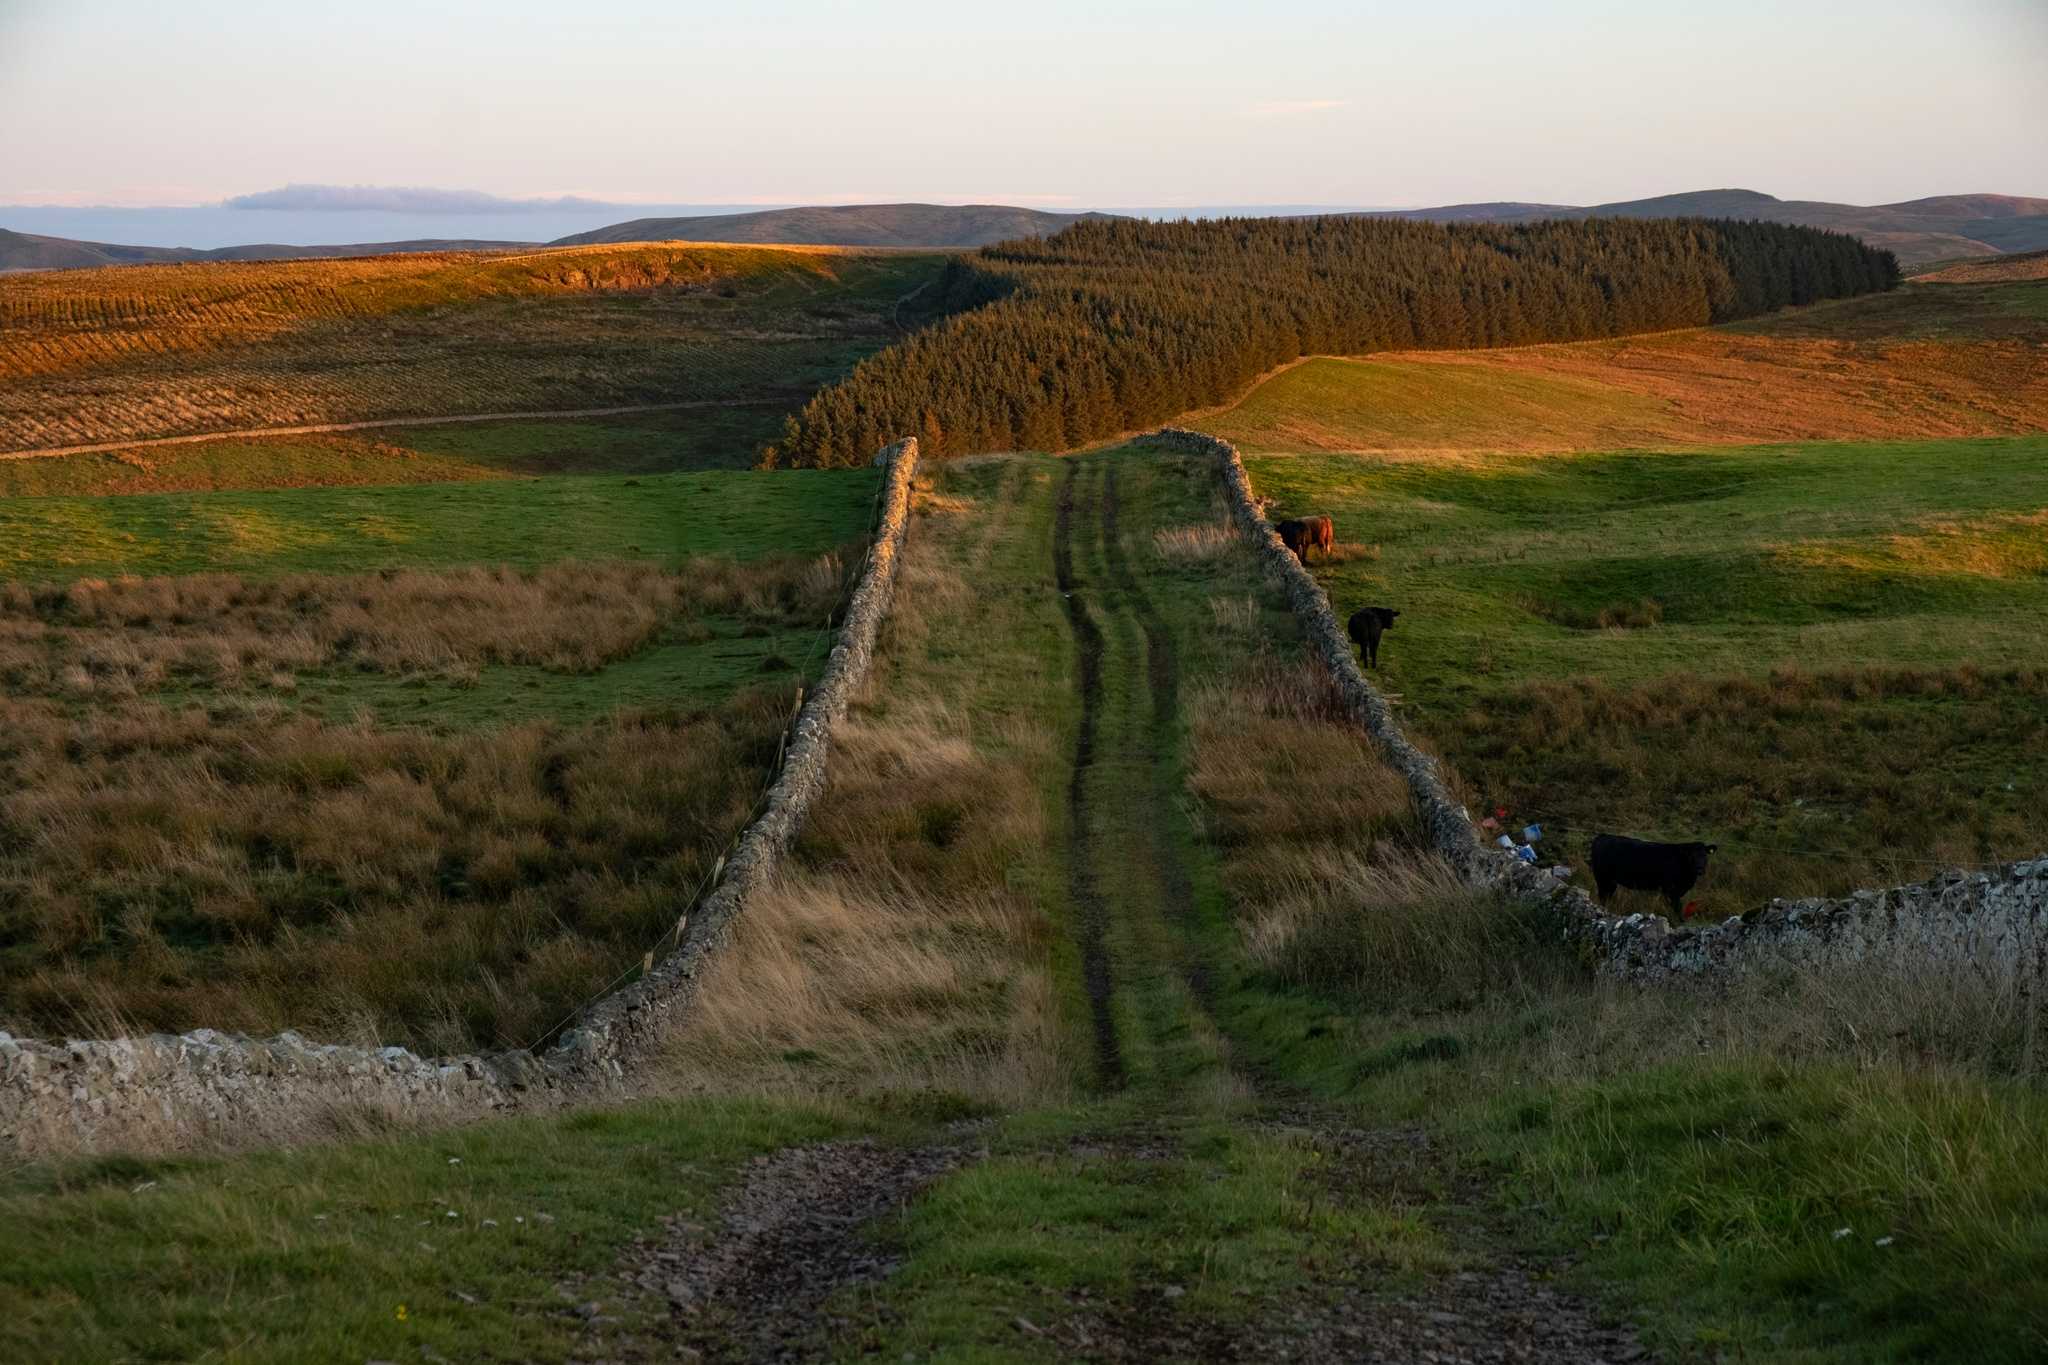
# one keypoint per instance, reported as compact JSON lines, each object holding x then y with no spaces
{"x":133,"y":352}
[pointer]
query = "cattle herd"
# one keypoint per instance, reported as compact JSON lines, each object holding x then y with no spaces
{"x":1619,"y":862}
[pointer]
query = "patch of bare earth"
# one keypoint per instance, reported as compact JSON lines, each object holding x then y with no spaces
{"x":765,"y":1284}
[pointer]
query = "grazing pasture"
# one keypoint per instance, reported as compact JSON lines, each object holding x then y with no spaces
{"x":1924,"y":361}
{"x":1826,"y":657}
{"x":1777,"y":585}
{"x":140,"y":351}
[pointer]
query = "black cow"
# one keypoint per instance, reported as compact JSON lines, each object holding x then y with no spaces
{"x":1296,"y":536}
{"x":1639,"y":865}
{"x":1367,"y":625}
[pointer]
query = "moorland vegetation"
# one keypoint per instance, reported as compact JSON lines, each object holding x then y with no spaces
{"x":98,"y":356}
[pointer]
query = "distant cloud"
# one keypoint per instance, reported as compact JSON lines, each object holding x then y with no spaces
{"x":395,"y":199}
{"x":1292,"y":108}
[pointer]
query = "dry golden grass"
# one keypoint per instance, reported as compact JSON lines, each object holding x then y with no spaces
{"x":131,"y":352}
{"x":1201,"y":541}
{"x":2030,"y":265}
{"x":232,"y":863}
{"x":1281,"y":770}
{"x":899,"y":950}
{"x":115,"y":639}
{"x":1899,"y":367}
{"x":247,"y":869}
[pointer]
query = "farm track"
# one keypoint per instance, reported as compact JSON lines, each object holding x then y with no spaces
{"x":1162,"y":676}
{"x":1090,"y":910}
{"x":329,"y":428}
{"x":796,"y":1270}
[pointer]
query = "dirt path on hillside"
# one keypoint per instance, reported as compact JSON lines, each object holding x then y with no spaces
{"x":327,"y":428}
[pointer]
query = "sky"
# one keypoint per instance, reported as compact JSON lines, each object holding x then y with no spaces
{"x":1052,"y":104}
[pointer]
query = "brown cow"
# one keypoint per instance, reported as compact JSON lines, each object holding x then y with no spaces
{"x":1307,"y":533}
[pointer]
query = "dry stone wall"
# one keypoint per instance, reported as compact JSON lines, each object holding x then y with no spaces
{"x":166,"y":1091}
{"x":1995,"y":918}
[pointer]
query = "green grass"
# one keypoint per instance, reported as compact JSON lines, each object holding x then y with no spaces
{"x":682,"y":673}
{"x":1693,"y":1156}
{"x":525,"y":522}
{"x":727,"y":437}
{"x":348,"y":1252}
{"x":1796,"y":651}
{"x":1202,"y":1226}
{"x":1925,"y":312}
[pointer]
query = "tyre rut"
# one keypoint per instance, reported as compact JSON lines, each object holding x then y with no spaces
{"x":1091,"y":911}
{"x":1162,"y":677}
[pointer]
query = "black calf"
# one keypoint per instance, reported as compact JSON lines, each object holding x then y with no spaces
{"x":1669,"y":869}
{"x":1367,"y":625}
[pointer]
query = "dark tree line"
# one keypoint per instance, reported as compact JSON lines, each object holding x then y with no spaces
{"x":1113,"y":326}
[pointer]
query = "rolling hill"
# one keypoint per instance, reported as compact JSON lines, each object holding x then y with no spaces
{"x":915,"y":225}
{"x":27,"y":251}
{"x":1943,"y":227}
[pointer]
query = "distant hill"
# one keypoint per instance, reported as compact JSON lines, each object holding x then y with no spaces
{"x":26,"y":251}
{"x":915,"y":225}
{"x":1943,"y":227}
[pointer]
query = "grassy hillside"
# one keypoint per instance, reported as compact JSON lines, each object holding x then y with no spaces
{"x":1926,"y":361}
{"x":2032,"y":265}
{"x":32,"y":251}
{"x":1820,"y":653}
{"x":721,"y":436}
{"x":864,"y":225}
{"x":97,"y":356}
{"x":524,"y":522}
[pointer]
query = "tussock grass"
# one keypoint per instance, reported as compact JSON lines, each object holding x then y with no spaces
{"x":1696,"y":1149}
{"x":226,"y":861}
{"x":1812,"y":783}
{"x":905,"y":947}
{"x":122,"y":636}
{"x":1202,"y":541}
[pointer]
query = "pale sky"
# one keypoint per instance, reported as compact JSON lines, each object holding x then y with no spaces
{"x":1052,"y":104}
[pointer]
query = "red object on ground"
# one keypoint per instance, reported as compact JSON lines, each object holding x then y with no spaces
{"x":1500,"y":812}
{"x":1691,"y":908}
